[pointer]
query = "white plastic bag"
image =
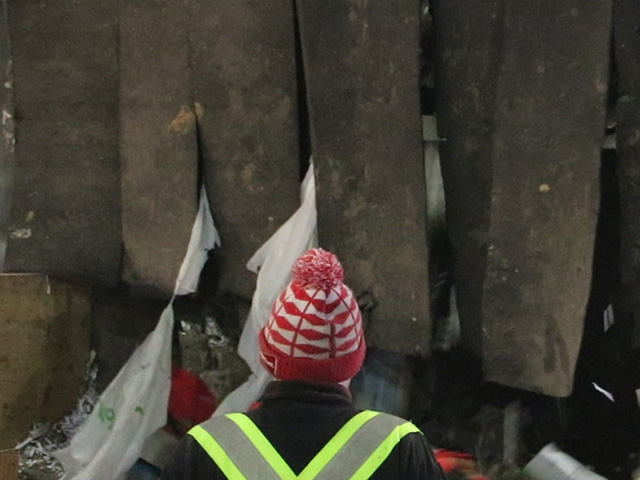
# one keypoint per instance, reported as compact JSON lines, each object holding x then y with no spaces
{"x":132,"y":407}
{"x":204,"y":237}
{"x":551,"y":463}
{"x":273,"y":263}
{"x":135,"y":404}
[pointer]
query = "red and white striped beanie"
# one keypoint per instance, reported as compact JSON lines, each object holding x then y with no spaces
{"x":314,"y":331}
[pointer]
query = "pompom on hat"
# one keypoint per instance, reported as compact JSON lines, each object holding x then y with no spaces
{"x":314,"y":331}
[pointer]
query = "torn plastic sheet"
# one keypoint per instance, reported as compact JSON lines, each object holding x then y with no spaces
{"x":608,"y":318}
{"x":604,"y":392}
{"x":433,"y":174}
{"x":273,"y":263}
{"x":135,"y":404}
{"x":551,"y":463}
{"x":204,"y":237}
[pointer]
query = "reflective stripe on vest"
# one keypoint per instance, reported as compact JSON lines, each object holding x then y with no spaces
{"x":242,"y":452}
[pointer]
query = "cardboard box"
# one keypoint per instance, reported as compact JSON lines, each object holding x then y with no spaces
{"x":9,"y":465}
{"x":44,"y":347}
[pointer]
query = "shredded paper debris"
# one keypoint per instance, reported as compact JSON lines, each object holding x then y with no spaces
{"x":36,"y":461}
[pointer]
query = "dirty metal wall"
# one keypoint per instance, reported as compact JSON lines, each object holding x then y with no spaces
{"x":627,"y":61}
{"x":122,"y":107}
{"x":65,"y":215}
{"x":469,"y":38}
{"x":244,"y":74}
{"x":522,"y":110}
{"x":549,"y":127}
{"x":158,"y":142}
{"x":6,"y":130}
{"x":361,"y":64}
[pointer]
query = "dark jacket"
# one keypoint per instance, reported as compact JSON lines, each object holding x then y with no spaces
{"x":299,"y":418}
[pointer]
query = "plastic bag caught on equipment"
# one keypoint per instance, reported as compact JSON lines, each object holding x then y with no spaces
{"x":551,"y":463}
{"x":135,"y":404}
{"x":273,"y":263}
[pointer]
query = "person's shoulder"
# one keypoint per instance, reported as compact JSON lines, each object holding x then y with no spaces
{"x":410,"y":452}
{"x":214,"y":421}
{"x":417,"y":457}
{"x":403,"y":423}
{"x":218,"y":423}
{"x":401,"y":431}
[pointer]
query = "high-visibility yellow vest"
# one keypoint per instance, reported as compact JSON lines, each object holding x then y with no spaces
{"x":242,"y":452}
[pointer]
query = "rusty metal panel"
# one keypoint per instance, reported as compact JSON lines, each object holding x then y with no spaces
{"x":549,"y":122}
{"x":469,"y":39}
{"x":627,"y":58}
{"x":65,"y":214}
{"x":244,"y":76}
{"x":158,"y":142}
{"x":361,"y":62}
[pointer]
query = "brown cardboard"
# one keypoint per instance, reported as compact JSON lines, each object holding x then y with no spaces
{"x":9,"y":465}
{"x":44,"y":347}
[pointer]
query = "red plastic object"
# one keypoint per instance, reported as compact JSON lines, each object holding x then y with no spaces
{"x":190,"y":401}
{"x":451,"y":461}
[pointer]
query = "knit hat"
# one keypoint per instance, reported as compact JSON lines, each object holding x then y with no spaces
{"x":314,"y":331}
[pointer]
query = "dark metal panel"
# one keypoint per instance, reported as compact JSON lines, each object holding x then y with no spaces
{"x":244,"y":76}
{"x":550,"y":114}
{"x":65,"y":215}
{"x":158,"y":141}
{"x":361,"y":61}
{"x":627,"y":58}
{"x":469,"y":39}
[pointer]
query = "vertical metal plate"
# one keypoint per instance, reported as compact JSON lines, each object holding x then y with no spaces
{"x":626,"y":32}
{"x":7,"y":139}
{"x":244,"y":76}
{"x":158,"y":141}
{"x":549,"y":119}
{"x":361,"y":61}
{"x":469,"y":38}
{"x":65,"y":214}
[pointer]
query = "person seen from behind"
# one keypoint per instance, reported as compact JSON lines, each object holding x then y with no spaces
{"x":306,"y":426}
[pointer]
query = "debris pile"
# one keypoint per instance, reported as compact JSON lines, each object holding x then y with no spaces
{"x":36,"y":460}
